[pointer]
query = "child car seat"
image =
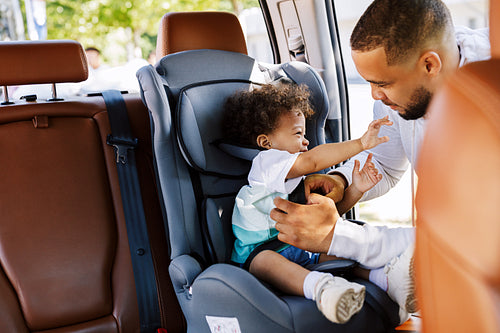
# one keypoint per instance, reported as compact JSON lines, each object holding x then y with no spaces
{"x":199,"y":178}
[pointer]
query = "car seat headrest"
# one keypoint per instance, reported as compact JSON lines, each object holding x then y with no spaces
{"x":182,"y":31}
{"x":191,"y":67}
{"x":197,"y":84}
{"x":199,"y":129}
{"x":37,"y":62}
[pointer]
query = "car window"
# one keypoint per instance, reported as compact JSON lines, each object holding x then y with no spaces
{"x":118,"y":44}
{"x":254,"y":29}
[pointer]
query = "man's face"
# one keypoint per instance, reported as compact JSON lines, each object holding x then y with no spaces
{"x":401,"y":87}
{"x":93,"y":58}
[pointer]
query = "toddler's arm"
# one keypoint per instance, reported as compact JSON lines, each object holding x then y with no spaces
{"x":327,"y":155}
{"x":362,"y":181}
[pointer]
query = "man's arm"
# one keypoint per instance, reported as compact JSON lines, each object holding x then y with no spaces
{"x":311,"y":227}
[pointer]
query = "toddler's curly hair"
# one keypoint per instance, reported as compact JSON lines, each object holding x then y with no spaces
{"x":247,"y":114}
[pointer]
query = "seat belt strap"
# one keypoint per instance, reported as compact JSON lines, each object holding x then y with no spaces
{"x":140,"y":251}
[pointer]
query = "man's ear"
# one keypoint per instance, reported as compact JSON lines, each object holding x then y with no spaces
{"x":431,"y":63}
{"x":263,"y":141}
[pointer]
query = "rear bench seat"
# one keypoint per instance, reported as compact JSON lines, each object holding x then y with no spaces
{"x":64,"y":257}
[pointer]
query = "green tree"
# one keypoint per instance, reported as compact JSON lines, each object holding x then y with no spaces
{"x":120,"y":28}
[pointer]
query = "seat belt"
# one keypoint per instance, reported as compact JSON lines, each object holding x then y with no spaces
{"x":140,"y":251}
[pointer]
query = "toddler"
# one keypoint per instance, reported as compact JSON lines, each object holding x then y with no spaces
{"x":273,"y":118}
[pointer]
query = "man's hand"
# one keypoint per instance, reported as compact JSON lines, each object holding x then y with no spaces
{"x":332,"y":186}
{"x":309,"y":227}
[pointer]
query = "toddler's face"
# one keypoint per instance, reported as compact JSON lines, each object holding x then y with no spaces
{"x":290,"y":133}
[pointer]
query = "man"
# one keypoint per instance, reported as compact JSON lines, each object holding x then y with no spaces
{"x":94,"y":58}
{"x":405,"y":49}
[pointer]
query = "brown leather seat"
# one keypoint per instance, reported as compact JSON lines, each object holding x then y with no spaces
{"x":64,"y":257}
{"x":458,"y":201}
{"x":181,"y":31}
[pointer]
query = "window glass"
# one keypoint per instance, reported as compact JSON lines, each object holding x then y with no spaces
{"x":119,"y":36}
{"x":255,"y":31}
{"x":395,"y":206}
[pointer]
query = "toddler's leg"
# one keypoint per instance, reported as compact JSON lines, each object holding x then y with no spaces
{"x":337,"y":298}
{"x":280,"y":272}
{"x":371,"y":246}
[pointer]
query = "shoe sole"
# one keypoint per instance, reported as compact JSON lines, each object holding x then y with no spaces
{"x":411,"y":304}
{"x":349,"y":304}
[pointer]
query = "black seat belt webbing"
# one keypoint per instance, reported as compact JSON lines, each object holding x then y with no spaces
{"x":142,"y":262}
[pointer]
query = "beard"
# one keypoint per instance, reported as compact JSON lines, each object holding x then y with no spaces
{"x":419,"y":101}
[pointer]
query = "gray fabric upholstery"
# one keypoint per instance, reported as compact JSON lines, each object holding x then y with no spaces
{"x":200,"y":127}
{"x":198,"y":181}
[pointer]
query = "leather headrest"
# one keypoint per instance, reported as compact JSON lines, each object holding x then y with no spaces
{"x":36,"y":62}
{"x":183,"y":31}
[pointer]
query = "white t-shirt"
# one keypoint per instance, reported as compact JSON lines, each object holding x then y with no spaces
{"x":252,"y":224}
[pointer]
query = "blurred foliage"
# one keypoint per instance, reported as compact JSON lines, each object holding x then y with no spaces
{"x":122,"y":29}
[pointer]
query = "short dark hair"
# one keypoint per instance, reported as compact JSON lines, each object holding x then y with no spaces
{"x":247,"y":114}
{"x":91,"y":48}
{"x":401,"y":27}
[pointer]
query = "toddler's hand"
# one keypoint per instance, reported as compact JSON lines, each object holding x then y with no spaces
{"x":368,"y":177}
{"x":370,"y":139}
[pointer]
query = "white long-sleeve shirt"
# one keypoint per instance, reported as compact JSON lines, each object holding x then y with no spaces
{"x":374,"y":246}
{"x":392,"y":158}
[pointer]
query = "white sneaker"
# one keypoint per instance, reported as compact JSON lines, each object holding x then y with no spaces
{"x":338,"y":299}
{"x":401,"y":281}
